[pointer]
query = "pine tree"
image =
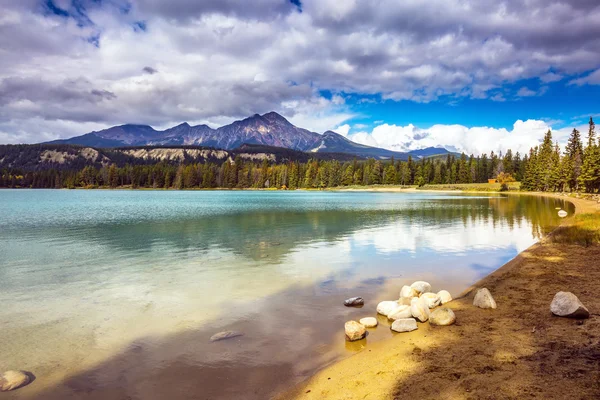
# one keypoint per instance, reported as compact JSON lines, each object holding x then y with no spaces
{"x":590,"y":170}
{"x":545,"y":163}
{"x":507,"y":162}
{"x":573,"y":160}
{"x":463,"y":170}
{"x":390,"y":175}
{"x":530,"y":181}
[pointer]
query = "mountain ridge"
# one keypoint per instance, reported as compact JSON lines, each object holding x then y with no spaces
{"x":270,"y":129}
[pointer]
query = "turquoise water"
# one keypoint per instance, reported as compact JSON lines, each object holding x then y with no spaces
{"x":87,"y":276}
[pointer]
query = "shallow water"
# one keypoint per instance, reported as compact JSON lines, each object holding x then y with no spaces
{"x":114,"y":294}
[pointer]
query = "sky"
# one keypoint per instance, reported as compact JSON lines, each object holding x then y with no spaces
{"x":468,"y":75}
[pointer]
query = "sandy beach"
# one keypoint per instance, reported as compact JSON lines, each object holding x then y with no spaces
{"x":519,"y":350}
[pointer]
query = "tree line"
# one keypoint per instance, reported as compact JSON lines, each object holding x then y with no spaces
{"x":577,"y":169}
{"x":240,"y":173}
{"x":545,"y":168}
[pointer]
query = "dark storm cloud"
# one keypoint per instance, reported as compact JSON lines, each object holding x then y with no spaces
{"x":33,"y":90}
{"x":185,"y":9}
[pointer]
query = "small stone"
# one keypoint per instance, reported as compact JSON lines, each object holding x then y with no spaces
{"x":444,"y":296}
{"x":562,"y":213}
{"x":483,"y":299}
{"x":368,"y":322}
{"x":354,"y":302}
{"x":408,"y":292}
{"x":431,"y":299}
{"x":566,"y":304}
{"x":419,"y":309}
{"x":400,"y":312}
{"x":385,"y":307}
{"x":443,"y":316}
{"x":11,"y":380}
{"x":421,"y":287}
{"x":404,"y":325}
{"x":225,"y":335}
{"x":354,"y":330}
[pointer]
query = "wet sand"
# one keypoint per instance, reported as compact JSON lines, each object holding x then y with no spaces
{"x":517,"y":351}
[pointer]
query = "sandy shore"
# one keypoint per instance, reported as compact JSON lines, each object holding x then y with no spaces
{"x":517,"y":351}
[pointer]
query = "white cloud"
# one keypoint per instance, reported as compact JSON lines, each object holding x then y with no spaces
{"x":551,"y":77}
{"x":526,"y":92}
{"x":471,"y":140}
{"x":592,"y":79}
{"x":342,"y":130}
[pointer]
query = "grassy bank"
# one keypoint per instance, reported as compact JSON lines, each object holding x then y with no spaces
{"x":464,"y":187}
{"x":473,"y":187}
{"x":517,"y":351}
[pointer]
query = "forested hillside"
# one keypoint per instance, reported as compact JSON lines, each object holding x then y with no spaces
{"x":545,"y":168}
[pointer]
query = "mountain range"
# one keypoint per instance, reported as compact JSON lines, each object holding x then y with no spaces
{"x":270,"y":129}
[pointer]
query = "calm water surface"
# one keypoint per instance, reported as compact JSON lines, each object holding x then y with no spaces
{"x":114,"y":294}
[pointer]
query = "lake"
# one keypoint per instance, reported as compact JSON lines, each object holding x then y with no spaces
{"x":115,"y":294}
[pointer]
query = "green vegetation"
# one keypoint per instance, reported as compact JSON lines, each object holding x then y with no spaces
{"x":583,"y":229}
{"x":475,"y":187}
{"x":578,"y":169}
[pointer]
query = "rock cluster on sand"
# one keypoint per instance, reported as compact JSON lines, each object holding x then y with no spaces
{"x":354,"y":302}
{"x":566,"y":304}
{"x":414,"y":305}
{"x":442,"y":317}
{"x":368,"y":322}
{"x":483,"y":299}
{"x":11,"y":380}
{"x":354,"y":330}
{"x":404,"y":325}
{"x":225,"y":335}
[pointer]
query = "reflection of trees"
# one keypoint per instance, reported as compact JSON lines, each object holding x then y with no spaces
{"x":269,"y":235}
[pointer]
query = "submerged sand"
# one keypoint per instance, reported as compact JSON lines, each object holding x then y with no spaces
{"x":517,"y":351}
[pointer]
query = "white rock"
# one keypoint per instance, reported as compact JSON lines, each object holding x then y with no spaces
{"x":400,"y":312}
{"x":421,"y":287}
{"x":483,"y":299}
{"x":419,"y":309}
{"x":11,"y":380}
{"x":354,"y":330}
{"x":442,"y":316}
{"x":385,"y":307}
{"x":408,"y":292}
{"x":405,"y":301}
{"x":368,"y":322}
{"x":562,"y":213}
{"x":444,"y":296}
{"x":566,"y":304}
{"x":404,"y":325}
{"x":431,"y":299}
